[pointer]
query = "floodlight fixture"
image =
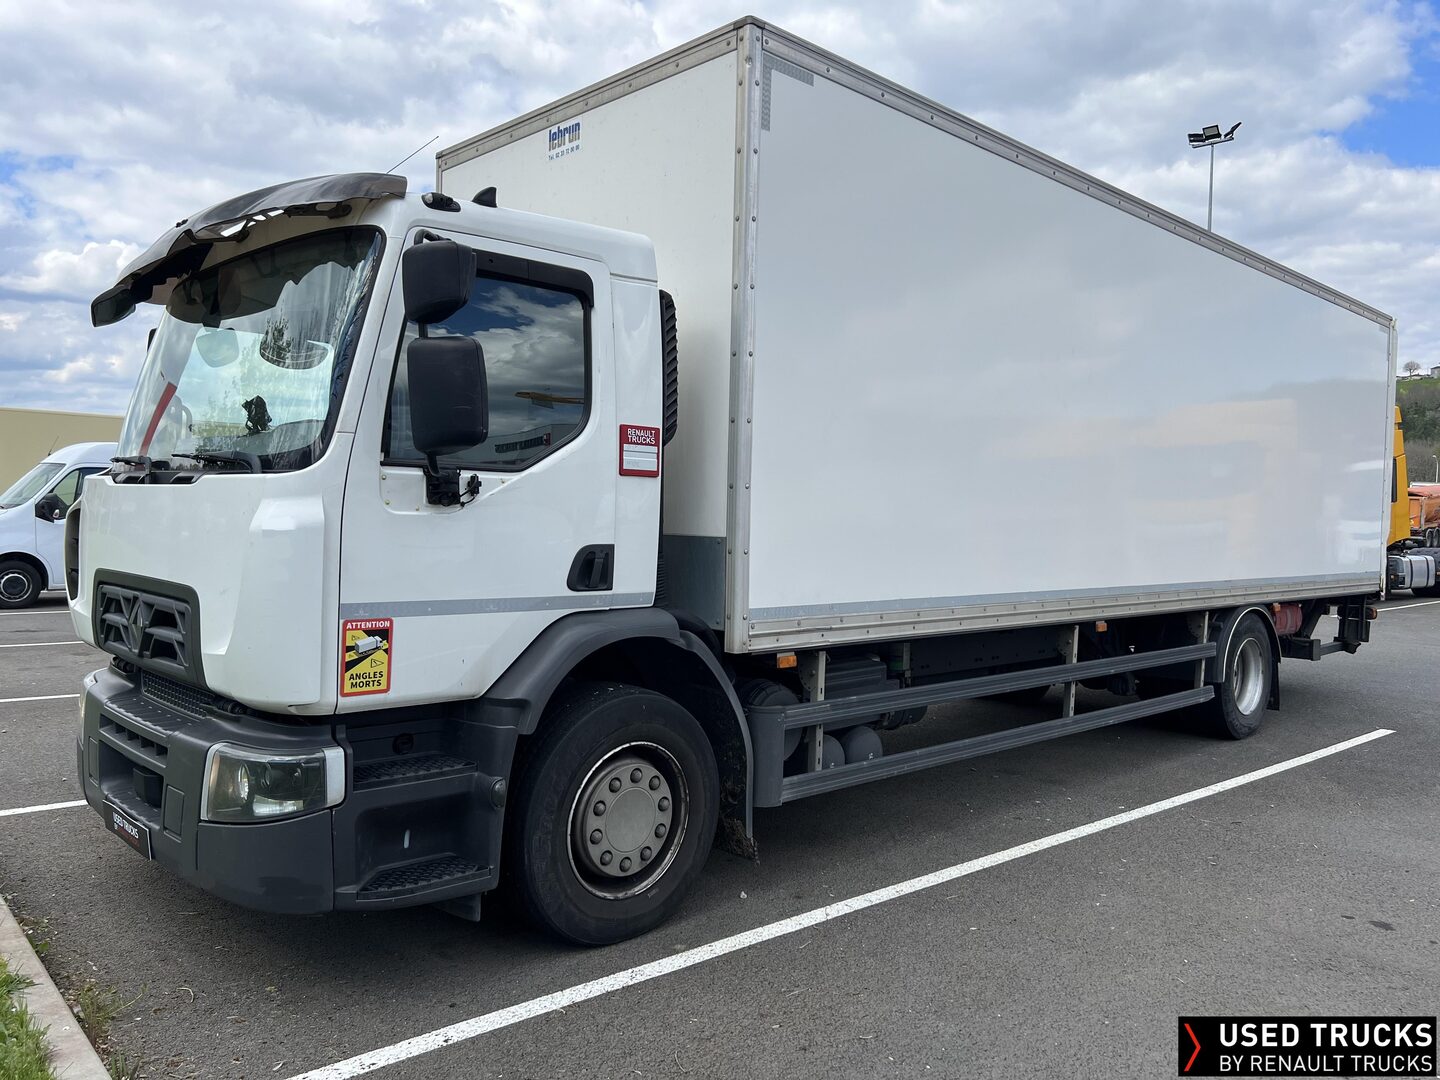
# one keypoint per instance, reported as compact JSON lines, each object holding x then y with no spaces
{"x":1210,"y":136}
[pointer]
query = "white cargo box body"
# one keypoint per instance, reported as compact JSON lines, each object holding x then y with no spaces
{"x":932,"y":380}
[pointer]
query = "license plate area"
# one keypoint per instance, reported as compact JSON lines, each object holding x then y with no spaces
{"x":128,"y":829}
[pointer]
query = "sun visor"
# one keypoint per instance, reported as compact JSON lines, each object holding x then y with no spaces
{"x":184,"y":247}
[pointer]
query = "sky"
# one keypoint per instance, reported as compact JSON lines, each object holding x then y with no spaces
{"x":120,"y":119}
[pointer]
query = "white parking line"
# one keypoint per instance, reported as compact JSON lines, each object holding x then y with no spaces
{"x":1402,"y":607}
{"x":39,"y":644}
{"x":42,"y":807}
{"x":514,"y":1014}
{"x":42,"y":697}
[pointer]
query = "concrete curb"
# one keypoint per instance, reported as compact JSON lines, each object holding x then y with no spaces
{"x":72,"y":1056}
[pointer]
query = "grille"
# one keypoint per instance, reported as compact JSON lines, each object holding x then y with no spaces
{"x":134,"y":738}
{"x":408,"y":878}
{"x":176,"y":695}
{"x":671,"y":358}
{"x":141,"y":626}
{"x":405,"y":768}
{"x":72,"y":551}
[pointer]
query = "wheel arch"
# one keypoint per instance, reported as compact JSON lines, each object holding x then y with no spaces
{"x":30,"y":560}
{"x":644,"y":647}
{"x":1222,"y":631}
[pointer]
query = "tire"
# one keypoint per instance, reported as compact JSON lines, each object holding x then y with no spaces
{"x":1241,"y":699}
{"x":1428,"y":590}
{"x":19,"y":585}
{"x":596,"y":880}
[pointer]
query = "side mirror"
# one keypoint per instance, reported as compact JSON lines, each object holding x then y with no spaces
{"x":449,"y":406}
{"x":50,"y":508}
{"x":437,"y":276}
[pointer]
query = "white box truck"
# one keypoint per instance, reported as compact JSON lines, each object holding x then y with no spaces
{"x":687,"y":440}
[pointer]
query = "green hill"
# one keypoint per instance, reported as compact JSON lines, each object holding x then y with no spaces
{"x":1419,"y":401}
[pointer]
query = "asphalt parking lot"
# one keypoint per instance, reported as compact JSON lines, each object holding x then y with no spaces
{"x":1312,"y":889}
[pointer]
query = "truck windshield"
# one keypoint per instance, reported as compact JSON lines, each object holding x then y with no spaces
{"x":30,"y":485}
{"x":251,"y":354}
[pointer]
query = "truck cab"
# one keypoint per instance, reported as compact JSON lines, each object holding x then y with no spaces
{"x":380,"y":444}
{"x":32,"y":520}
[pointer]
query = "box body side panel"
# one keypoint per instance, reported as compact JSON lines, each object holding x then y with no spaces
{"x":977,"y":390}
{"x":659,"y":160}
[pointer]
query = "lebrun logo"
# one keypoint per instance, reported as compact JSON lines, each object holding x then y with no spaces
{"x":563,"y":139}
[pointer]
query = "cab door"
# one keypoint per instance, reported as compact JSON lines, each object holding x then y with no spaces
{"x":443,"y":599}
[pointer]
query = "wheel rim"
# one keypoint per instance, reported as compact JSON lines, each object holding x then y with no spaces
{"x":14,"y":586}
{"x":1247,"y":676}
{"x":628,"y":820}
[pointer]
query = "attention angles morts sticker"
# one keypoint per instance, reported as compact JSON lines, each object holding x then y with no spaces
{"x":365,"y":650}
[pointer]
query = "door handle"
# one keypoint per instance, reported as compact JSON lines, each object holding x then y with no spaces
{"x":593,"y":569}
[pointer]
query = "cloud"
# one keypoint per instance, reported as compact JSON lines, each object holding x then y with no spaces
{"x":77,"y":275}
{"x":120,"y":119}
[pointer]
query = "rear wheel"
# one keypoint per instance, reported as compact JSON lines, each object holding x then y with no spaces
{"x":19,"y":584}
{"x":1240,"y":700}
{"x":615,"y":813}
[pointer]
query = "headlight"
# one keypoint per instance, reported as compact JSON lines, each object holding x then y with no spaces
{"x":242,"y":784}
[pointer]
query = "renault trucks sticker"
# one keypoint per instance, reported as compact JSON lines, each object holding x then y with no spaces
{"x":564,"y":139}
{"x":365,"y":646}
{"x":639,"y":450}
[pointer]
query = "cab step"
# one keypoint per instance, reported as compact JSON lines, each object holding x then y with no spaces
{"x":443,"y":873}
{"x":400,"y":770}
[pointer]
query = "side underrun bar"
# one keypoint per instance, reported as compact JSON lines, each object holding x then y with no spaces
{"x":768,"y":724}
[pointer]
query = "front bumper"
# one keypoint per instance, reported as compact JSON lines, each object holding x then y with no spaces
{"x":415,"y":827}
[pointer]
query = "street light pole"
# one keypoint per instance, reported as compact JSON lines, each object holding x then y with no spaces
{"x":1210,"y":136}
{"x":1210,"y":202}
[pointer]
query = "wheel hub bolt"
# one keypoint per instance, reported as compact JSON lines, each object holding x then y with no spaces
{"x":645,"y":854}
{"x":615,"y":783}
{"x":660,"y":830}
{"x":596,"y":836}
{"x":606,"y":857}
{"x":636,"y":776}
{"x":600,"y":808}
{"x":624,"y":865}
{"x":663,"y":804}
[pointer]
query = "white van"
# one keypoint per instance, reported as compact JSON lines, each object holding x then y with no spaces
{"x":32,"y":521}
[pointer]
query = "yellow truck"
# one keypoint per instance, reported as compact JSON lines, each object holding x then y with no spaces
{"x":1413,"y":545}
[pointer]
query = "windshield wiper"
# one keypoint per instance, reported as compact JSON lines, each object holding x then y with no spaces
{"x":146,"y":465}
{"x":248,"y":461}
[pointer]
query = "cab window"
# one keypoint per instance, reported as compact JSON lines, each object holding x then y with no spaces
{"x":71,"y":485}
{"x":536,"y":343}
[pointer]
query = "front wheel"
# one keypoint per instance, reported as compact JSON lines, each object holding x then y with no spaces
{"x":615,"y":813}
{"x":19,"y":584}
{"x":1240,"y":700}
